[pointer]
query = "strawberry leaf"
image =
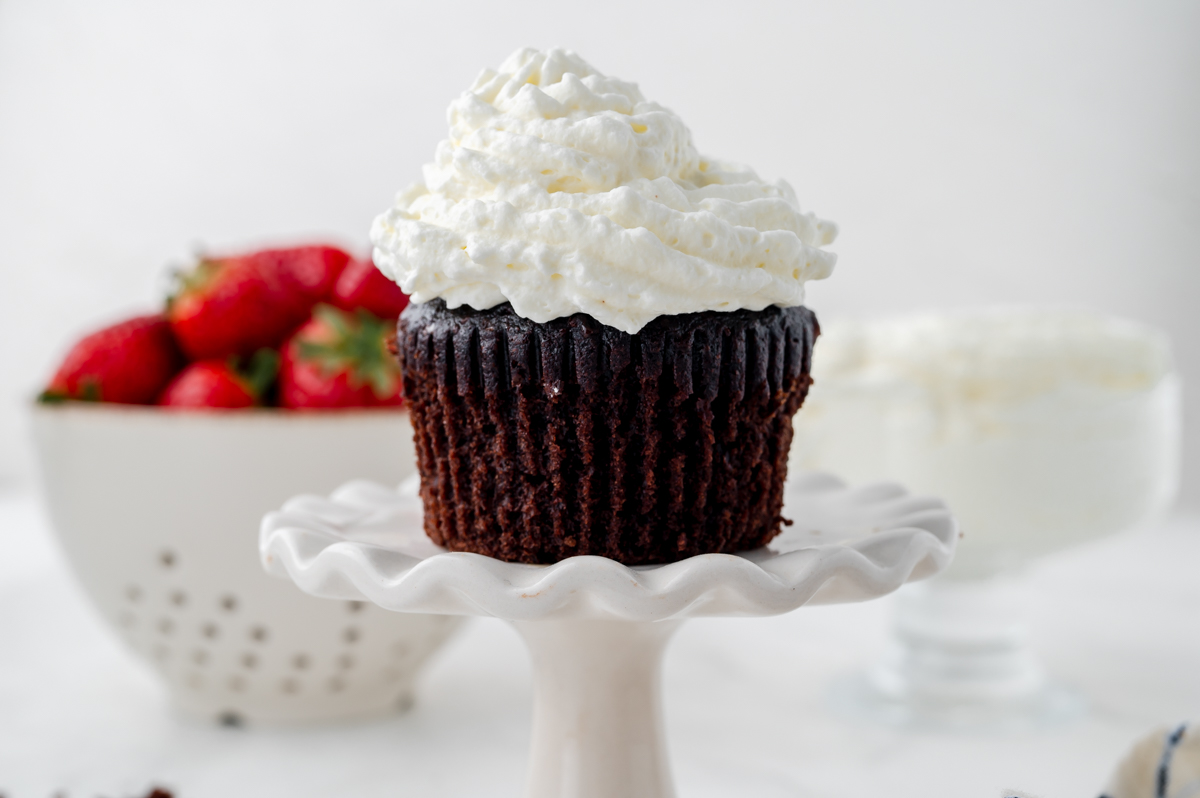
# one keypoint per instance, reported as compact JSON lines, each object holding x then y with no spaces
{"x":260,"y":372}
{"x":89,"y":390}
{"x":356,"y":347}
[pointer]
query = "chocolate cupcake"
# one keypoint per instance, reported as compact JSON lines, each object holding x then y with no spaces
{"x":537,"y":442}
{"x":607,"y":340}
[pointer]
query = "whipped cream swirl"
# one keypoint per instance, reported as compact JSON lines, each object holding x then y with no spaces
{"x":562,"y":190}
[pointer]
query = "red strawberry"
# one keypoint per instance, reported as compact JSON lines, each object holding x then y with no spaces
{"x":127,"y":363}
{"x":237,"y":305}
{"x":218,"y":383}
{"x":233,"y":306}
{"x":312,"y":271}
{"x":339,"y":359}
{"x":364,"y":286}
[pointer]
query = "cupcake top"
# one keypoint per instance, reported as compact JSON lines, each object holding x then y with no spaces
{"x":562,"y":191}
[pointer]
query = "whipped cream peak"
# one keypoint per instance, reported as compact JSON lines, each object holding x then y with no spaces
{"x":562,"y":190}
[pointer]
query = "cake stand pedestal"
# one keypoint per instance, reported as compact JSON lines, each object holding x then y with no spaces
{"x":597,"y":629}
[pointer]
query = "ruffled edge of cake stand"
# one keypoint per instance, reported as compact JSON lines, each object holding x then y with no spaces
{"x":365,"y":542}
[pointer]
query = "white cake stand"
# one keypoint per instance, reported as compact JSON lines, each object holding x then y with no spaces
{"x":597,"y":629}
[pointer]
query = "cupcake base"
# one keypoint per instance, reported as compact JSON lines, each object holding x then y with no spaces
{"x":538,"y":442}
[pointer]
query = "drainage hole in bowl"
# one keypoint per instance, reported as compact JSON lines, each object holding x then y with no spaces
{"x":351,"y":634}
{"x":355,"y":606}
{"x":200,"y":657}
{"x":230,"y":719}
{"x":237,"y":684}
{"x":210,"y":630}
{"x":259,"y":634}
{"x":290,"y":686}
{"x":133,"y":593}
{"x":345,"y":662}
{"x":336,"y":685}
{"x":300,"y":662}
{"x":166,"y":626}
{"x":249,"y":661}
{"x":178,"y":598}
{"x":229,"y":602}
{"x":167,"y":558}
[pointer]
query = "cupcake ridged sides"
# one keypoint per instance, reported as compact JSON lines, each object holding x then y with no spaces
{"x":537,"y":442}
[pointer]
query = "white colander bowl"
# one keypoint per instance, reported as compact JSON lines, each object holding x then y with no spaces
{"x":158,"y":513}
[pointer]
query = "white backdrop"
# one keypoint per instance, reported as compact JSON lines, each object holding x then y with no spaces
{"x":1026,"y":152}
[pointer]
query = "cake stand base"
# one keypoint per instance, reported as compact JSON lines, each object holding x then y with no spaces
{"x":597,"y":709}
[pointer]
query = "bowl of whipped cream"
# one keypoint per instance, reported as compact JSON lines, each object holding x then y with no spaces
{"x":1042,"y":428}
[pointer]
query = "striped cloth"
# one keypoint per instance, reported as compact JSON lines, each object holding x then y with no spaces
{"x":1165,"y":764}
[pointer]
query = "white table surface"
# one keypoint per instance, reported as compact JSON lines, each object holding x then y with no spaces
{"x":747,"y":699}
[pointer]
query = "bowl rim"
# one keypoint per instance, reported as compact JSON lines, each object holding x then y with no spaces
{"x":279,"y":415}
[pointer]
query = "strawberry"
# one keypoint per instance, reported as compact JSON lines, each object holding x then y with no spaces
{"x":219,"y":383}
{"x":127,"y":363}
{"x":237,"y":305}
{"x":312,"y":271}
{"x":361,"y":285}
{"x":339,"y":359}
